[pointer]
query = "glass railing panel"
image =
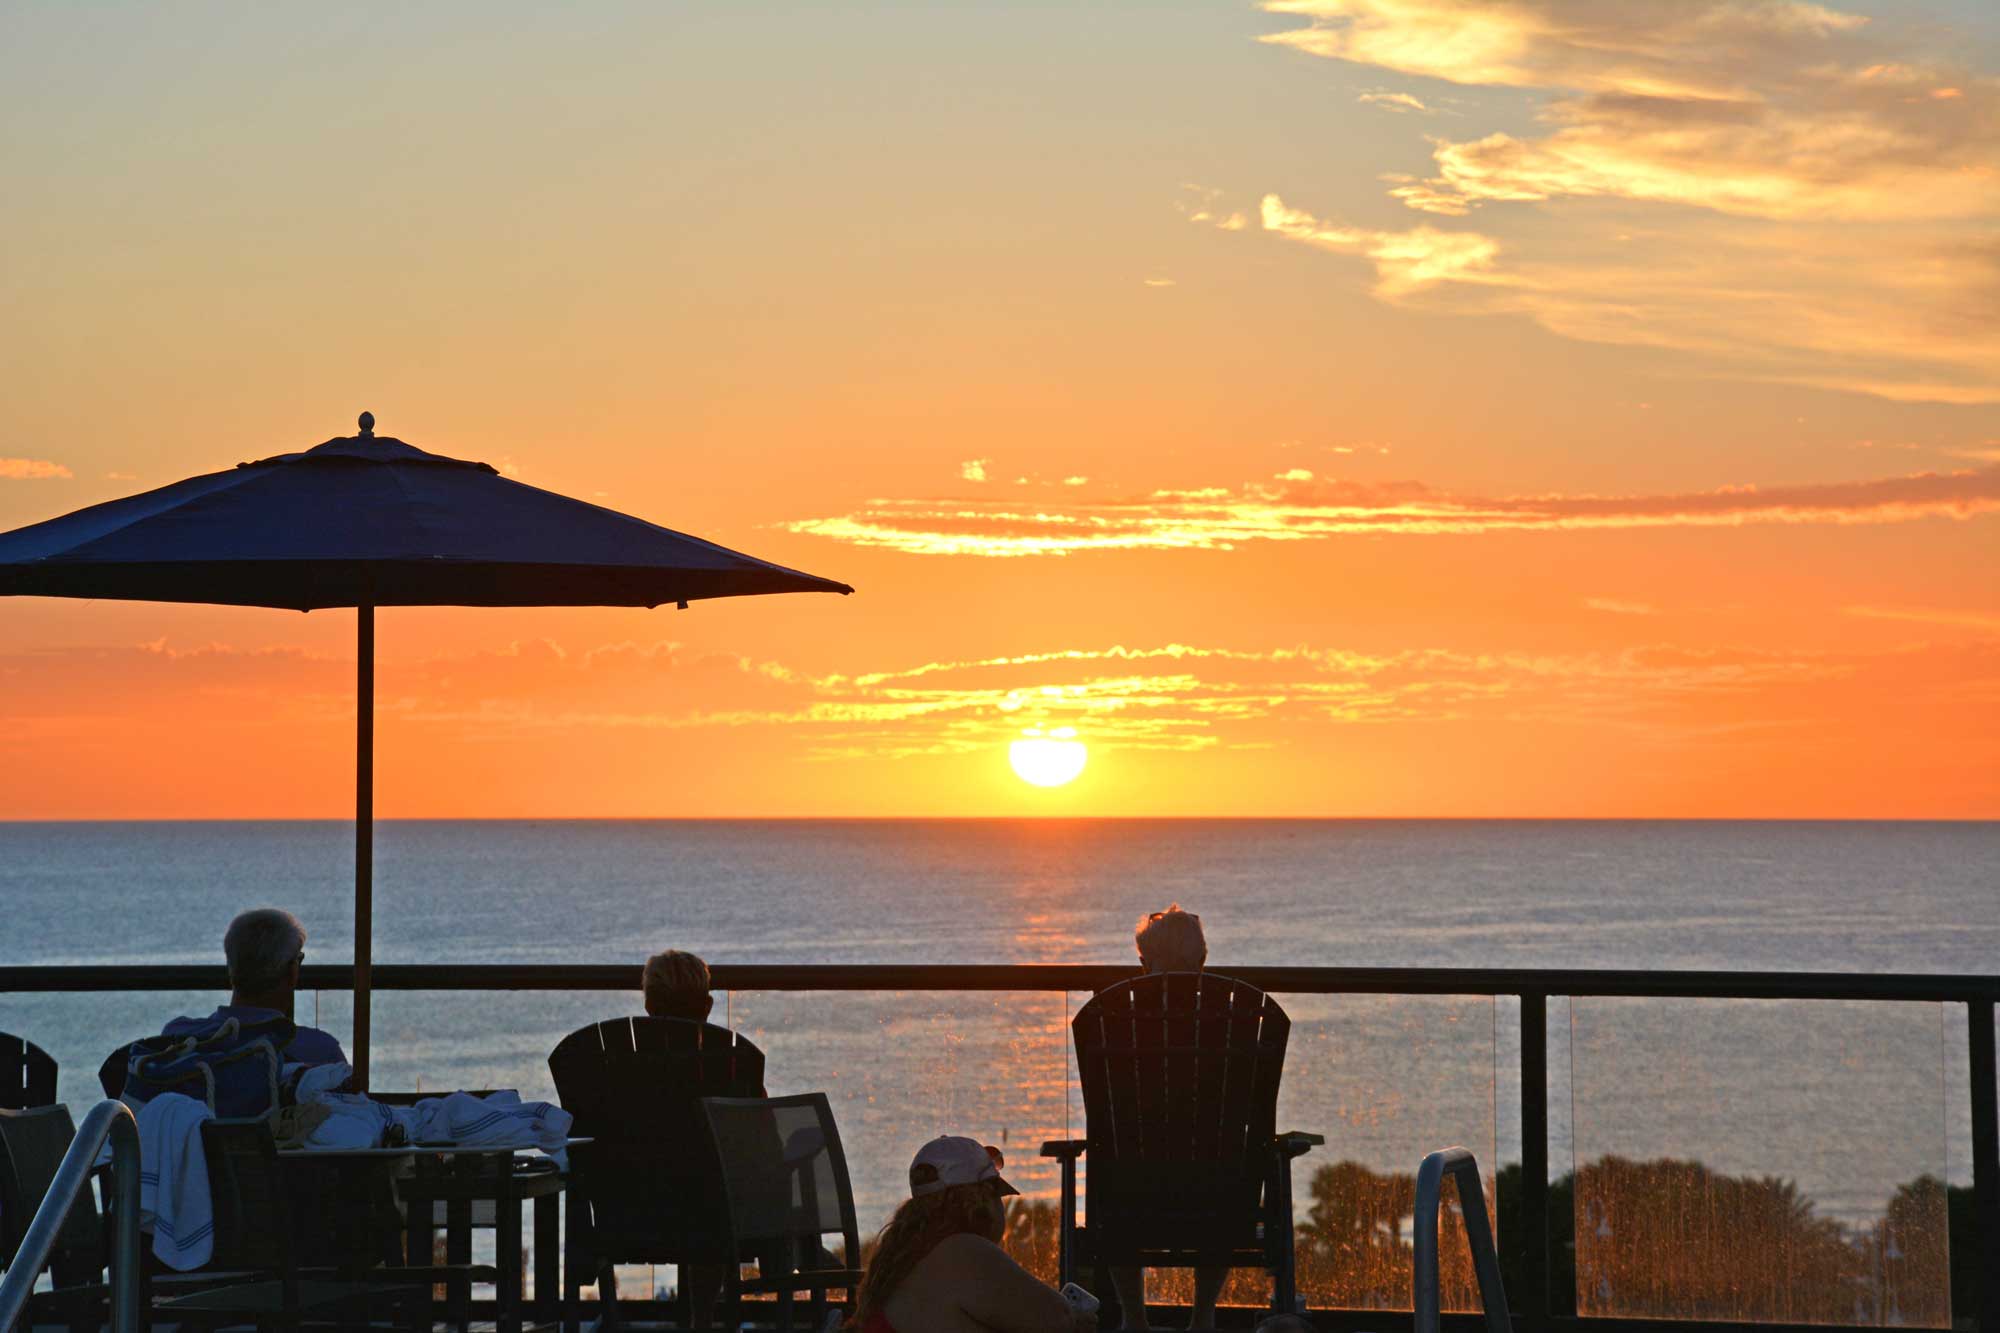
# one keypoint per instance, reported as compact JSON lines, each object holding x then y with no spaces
{"x":901,"y":1067}
{"x":1755,"y":1160}
{"x":1387,"y":1079}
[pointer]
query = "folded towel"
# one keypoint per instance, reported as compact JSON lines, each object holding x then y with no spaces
{"x":173,"y":1181}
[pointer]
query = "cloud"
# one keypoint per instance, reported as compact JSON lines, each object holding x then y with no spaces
{"x":1588,"y":44}
{"x":1158,"y":697}
{"x":1832,"y":308}
{"x":1800,"y":181}
{"x":973,"y":469}
{"x":1983,"y":621}
{"x":1402,"y":102}
{"x":1297,"y":506}
{"x":1617,"y":607}
{"x":1161,"y":282}
{"x":31,"y":469}
{"x":1405,"y":261}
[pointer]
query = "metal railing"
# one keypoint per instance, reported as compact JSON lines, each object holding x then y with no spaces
{"x":106,"y":1120}
{"x":1532,"y":1304}
{"x":1425,"y":1292}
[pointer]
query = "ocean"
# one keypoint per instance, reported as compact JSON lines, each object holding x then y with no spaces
{"x":1847,"y":1100}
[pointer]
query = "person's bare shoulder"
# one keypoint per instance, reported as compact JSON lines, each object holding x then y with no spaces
{"x":971,"y":1253}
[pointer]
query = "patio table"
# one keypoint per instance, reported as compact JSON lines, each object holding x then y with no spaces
{"x":459,"y":1176}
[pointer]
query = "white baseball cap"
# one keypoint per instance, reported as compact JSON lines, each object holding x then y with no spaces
{"x":953,"y":1159}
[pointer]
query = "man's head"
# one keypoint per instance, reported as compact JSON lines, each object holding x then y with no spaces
{"x":264,"y":948}
{"x":676,"y":986}
{"x":1171,"y":941}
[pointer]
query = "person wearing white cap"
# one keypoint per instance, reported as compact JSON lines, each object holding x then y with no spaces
{"x":938,"y":1266}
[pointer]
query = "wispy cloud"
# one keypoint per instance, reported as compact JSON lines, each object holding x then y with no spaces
{"x":1297,"y":506}
{"x":1395,"y":102}
{"x":1168,"y":696}
{"x":1831,"y":308}
{"x":1982,"y":621}
{"x":1617,"y":606}
{"x":1820,"y":205}
{"x":31,"y":469}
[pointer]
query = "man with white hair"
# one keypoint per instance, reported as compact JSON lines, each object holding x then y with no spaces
{"x":264,"y":948}
{"x":1169,"y":941}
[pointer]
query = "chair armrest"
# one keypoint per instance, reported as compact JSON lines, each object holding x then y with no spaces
{"x":1067,"y":1149}
{"x":1296,"y":1143}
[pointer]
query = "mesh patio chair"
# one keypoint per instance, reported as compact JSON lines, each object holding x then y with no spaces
{"x":1180,"y":1076}
{"x":257,"y":1236}
{"x":32,"y":1145}
{"x":646,"y":1189}
{"x":27,"y":1074}
{"x":785,"y":1187}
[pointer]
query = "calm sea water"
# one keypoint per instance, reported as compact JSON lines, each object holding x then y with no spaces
{"x":1849,"y":1100}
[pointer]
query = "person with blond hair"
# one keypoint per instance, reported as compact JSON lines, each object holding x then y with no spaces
{"x":1169,"y":941}
{"x":676,"y":986}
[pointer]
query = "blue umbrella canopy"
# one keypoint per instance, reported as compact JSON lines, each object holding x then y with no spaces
{"x":372,"y":521}
{"x":367,"y":521}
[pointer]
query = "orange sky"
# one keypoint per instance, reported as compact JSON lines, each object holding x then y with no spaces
{"x":1346,"y":407}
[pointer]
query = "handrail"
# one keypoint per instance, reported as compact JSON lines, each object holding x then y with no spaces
{"x":52,"y":979}
{"x":1424,"y":1293}
{"x":106,"y":1120}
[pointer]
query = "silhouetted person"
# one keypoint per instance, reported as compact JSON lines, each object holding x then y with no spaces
{"x":676,"y":986}
{"x":264,"y":948}
{"x":938,"y":1266}
{"x":1169,"y":941}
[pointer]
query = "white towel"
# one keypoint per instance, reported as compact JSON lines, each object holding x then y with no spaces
{"x":498,"y":1121}
{"x":173,"y":1181}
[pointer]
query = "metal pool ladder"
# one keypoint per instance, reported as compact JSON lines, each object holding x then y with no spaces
{"x":1460,"y":1164}
{"x":106,"y":1120}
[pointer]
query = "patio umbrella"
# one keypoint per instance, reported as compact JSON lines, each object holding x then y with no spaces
{"x":367,"y":521}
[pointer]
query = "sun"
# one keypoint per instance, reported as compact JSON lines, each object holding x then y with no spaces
{"x":1048,"y":758}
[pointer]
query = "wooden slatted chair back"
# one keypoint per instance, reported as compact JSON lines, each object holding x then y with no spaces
{"x":27,"y":1074}
{"x":1180,"y":1074}
{"x":635,"y":1086}
{"x":638,"y":1078}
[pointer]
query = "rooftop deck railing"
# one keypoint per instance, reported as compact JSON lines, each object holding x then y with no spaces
{"x":1531,"y":1298}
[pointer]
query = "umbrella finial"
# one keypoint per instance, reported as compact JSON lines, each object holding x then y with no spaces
{"x":367,"y":424}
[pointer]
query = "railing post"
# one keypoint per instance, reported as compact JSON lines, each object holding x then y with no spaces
{"x":1985,"y":1161}
{"x":1533,"y":1244}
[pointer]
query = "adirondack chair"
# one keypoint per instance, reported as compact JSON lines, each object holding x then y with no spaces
{"x":1180,"y":1078}
{"x":648,"y":1188}
{"x":27,"y":1074}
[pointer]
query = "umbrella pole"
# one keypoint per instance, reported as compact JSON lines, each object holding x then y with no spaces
{"x":364,"y":832}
